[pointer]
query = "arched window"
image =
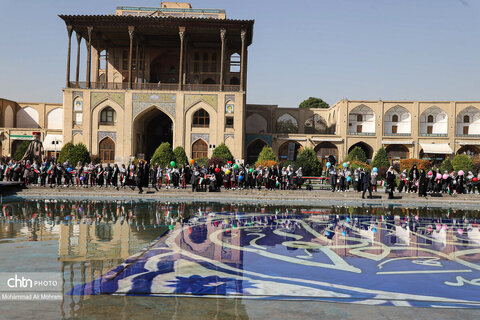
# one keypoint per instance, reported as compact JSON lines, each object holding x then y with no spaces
{"x":108,"y":116}
{"x":359,"y":118}
{"x":209,"y":81}
{"x":430,"y":118}
{"x":466,"y":119}
{"x":107,"y":150}
{"x":199,"y":149}
{"x":201,"y":119}
{"x":395,"y":118}
{"x":235,"y":62}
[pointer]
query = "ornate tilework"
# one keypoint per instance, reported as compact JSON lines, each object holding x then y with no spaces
{"x":230,"y":97}
{"x":97,"y":97}
{"x":210,"y":99}
{"x":104,"y":134}
{"x":204,"y":136}
{"x":77,"y":94}
{"x":165,"y":101}
{"x":74,"y":132}
{"x":228,"y":135}
{"x":251,"y":137}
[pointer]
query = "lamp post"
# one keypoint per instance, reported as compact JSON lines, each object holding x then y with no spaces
{"x":55,"y":142}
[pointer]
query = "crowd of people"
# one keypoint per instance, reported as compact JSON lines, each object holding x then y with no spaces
{"x":141,"y":174}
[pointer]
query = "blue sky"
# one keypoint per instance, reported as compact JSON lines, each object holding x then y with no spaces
{"x":332,"y":49}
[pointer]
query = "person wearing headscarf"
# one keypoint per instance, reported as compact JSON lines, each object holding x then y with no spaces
{"x":403,"y":182}
{"x":422,"y":184}
{"x":391,"y":182}
{"x":367,"y":185}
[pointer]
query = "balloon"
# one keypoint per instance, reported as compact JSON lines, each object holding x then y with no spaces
{"x":438,"y":227}
{"x":240,"y":177}
{"x":229,"y":162}
{"x":461,"y":173}
{"x":217,"y":170}
{"x":344,"y":233}
{"x":251,"y":170}
{"x":460,"y":231}
{"x":227,"y":171}
{"x":416,"y":184}
{"x":328,"y":164}
{"x":69,"y":169}
{"x":430,"y":173}
{"x":475,"y":179}
{"x":444,"y":227}
{"x":348,"y":219}
{"x":235,"y":166}
{"x":374,"y":230}
{"x":172,"y":163}
{"x":429,"y":228}
{"x":327,"y":233}
{"x":170,"y":227}
{"x":344,"y":164}
{"x":445,"y":176}
{"x":439,"y":176}
{"x":349,"y":178}
{"x":375,"y":169}
{"x":192,"y":161}
{"x":82,"y":178}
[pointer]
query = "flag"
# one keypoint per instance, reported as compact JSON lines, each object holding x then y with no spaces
{"x":200,"y":181}
{"x":169,"y":176}
{"x":277,"y":183}
{"x":36,"y":171}
{"x":124,"y":178}
{"x":7,"y":170}
{"x":383,"y":183}
{"x":50,"y":169}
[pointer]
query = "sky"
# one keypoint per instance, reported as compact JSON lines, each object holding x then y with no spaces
{"x":331,"y":49}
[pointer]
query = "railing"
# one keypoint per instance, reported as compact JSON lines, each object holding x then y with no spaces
{"x":433,"y":135}
{"x":153,"y":86}
{"x":361,"y":133}
{"x":397,"y":134}
{"x":469,"y":135}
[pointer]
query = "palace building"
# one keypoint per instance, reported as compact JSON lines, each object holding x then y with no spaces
{"x":179,"y":75}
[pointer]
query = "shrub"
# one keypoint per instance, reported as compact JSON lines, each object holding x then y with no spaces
{"x":202,"y":161}
{"x":462,"y":162}
{"x":266,"y":154}
{"x":21,"y":149}
{"x":222,"y":152}
{"x":353,"y":165}
{"x":66,"y":152}
{"x":163,"y":155}
{"x":180,"y":156}
{"x":357,"y":154}
{"x":266,"y":163}
{"x":308,"y":160}
{"x":216,"y":161}
{"x":420,"y":163}
{"x":95,"y":158}
{"x":382,"y":172}
{"x":446,"y":166}
{"x":381,"y":159}
{"x":476,"y":166}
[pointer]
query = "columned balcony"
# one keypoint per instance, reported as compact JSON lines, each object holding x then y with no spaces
{"x":153,"y":86}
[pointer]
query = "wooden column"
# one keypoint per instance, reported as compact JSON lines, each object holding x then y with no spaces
{"x":136,"y":61}
{"x":69,"y":30}
{"x":131,"y":30}
{"x":97,"y":75}
{"x":181,"y":32}
{"x":144,"y":63}
{"x":89,"y":54}
{"x":106,"y":66}
{"x":222,"y":57}
{"x":243,"y":34}
{"x":185,"y":62}
{"x":79,"y":40}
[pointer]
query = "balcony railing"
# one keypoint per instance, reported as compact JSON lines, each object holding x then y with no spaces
{"x":153,"y":86}
{"x":361,"y":133}
{"x":468,"y":135}
{"x":433,"y":135}
{"x":397,"y":134}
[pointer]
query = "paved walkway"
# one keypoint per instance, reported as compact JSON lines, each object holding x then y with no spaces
{"x":290,"y":197}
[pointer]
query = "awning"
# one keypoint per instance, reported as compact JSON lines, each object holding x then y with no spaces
{"x":327,"y":139}
{"x":397,"y":142}
{"x":53,"y":142}
{"x":436,"y":148}
{"x":466,"y":143}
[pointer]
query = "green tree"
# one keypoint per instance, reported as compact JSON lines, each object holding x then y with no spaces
{"x":266,"y":154}
{"x":357,"y":154}
{"x":66,"y":152}
{"x":380,"y":159}
{"x":21,"y":149}
{"x":180,"y":156}
{"x":308,"y":161}
{"x":314,"y":103}
{"x":163,"y":155}
{"x":222,"y":152}
{"x":446,"y":165}
{"x":462,"y":162}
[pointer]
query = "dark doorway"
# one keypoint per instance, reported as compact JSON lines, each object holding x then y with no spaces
{"x":151,"y":130}
{"x":254,"y":150}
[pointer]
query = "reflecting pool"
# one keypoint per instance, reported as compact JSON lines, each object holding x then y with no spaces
{"x":227,"y":257}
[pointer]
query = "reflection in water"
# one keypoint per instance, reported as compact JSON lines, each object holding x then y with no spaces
{"x":239,"y":242}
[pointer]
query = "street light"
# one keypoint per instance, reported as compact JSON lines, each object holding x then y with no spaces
{"x":55,"y":142}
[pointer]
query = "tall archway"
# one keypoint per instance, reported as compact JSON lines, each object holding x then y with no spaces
{"x":397,"y":152}
{"x":472,"y":151}
{"x":324,"y":150}
{"x":254,"y":149}
{"x":256,"y":123}
{"x":27,"y":118}
{"x":9,"y":117}
{"x":287,"y":123}
{"x":151,"y":129}
{"x":315,"y":124}
{"x":468,"y":122}
{"x":361,"y":120}
{"x":397,"y":121}
{"x":365,"y":147}
{"x":199,"y":149}
{"x":106,"y":149}
{"x":283,"y":150}
{"x":433,"y":122}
